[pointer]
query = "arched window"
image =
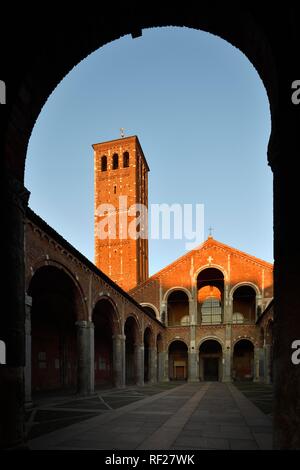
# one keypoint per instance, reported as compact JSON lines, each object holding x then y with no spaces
{"x":211,"y":311}
{"x":237,"y":318}
{"x":244,"y":302}
{"x":115,"y":161}
{"x":104,"y":163}
{"x":125,"y":160}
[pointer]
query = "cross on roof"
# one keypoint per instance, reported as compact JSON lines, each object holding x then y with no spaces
{"x":210,"y":232}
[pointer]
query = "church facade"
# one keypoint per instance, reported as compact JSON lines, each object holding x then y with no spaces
{"x":206,"y":316}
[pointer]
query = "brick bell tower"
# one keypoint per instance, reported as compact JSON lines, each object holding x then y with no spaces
{"x":120,"y":181}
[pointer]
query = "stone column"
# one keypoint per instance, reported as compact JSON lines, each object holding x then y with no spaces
{"x":256,"y":364}
{"x":161,"y":359}
{"x":14,"y":198}
{"x":227,"y":363}
{"x":153,"y":365}
{"x":267,"y":364}
{"x":165,"y":365}
{"x":139,"y":362}
{"x":164,"y":313}
{"x":262,"y":366}
{"x":193,"y":369}
{"x":227,"y":353}
{"x":119,"y":360}
{"x":27,"y":370}
{"x":86,"y":353}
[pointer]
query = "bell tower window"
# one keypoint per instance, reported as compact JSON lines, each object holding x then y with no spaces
{"x":115,"y":164}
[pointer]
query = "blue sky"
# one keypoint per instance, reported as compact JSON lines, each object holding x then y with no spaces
{"x":202,"y":116}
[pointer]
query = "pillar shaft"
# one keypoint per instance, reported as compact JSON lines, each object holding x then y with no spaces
{"x":139,"y":364}
{"x":193,"y":369}
{"x":28,"y":352}
{"x":152,"y":365}
{"x":119,"y":361}
{"x":85,"y":351}
{"x":14,"y":198}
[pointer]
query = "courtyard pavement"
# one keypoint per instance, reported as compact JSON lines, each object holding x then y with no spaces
{"x":190,"y":416}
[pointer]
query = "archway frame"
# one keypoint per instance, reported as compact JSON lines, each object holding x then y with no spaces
{"x":52,"y":262}
{"x":147,"y":304}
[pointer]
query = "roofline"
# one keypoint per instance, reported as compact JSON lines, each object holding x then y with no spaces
{"x":154,"y":276}
{"x":270,"y":305}
{"x":124,"y":138}
{"x":33,"y":217}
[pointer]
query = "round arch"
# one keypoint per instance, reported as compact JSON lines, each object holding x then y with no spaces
{"x":179,"y":339}
{"x":116,"y":318}
{"x":43,"y":263}
{"x":211,"y":266}
{"x":174,"y":289}
{"x":178,"y":360}
{"x":155,"y":309}
{"x":212,"y":338}
{"x":245,"y":300}
{"x":238,"y":26}
{"x":133,"y":341}
{"x":243,"y":360}
{"x":244,"y":284}
{"x":54,"y":318}
{"x":210,"y":359}
{"x":135,"y":317}
{"x":244,"y":337}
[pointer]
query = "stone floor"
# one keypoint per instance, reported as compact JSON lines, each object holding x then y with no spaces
{"x":189,"y":416}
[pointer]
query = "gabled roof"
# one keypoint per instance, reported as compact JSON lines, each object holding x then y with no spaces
{"x":210,"y":242}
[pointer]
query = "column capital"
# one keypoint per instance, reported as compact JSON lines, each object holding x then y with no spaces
{"x":84,"y":324}
{"x":28,"y":300}
{"x":118,"y":336}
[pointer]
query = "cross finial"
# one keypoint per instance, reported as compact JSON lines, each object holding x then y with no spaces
{"x":210,"y":232}
{"x":122,"y":132}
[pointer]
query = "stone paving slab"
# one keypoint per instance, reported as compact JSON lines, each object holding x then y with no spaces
{"x":190,"y":416}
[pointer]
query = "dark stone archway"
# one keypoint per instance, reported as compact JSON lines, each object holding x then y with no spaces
{"x":53,"y":330}
{"x":178,"y":360}
{"x":33,"y":66}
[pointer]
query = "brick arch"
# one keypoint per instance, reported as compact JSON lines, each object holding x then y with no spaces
{"x":116,"y":319}
{"x":140,"y":331}
{"x":208,"y":266}
{"x":240,"y":338}
{"x":173,"y":340}
{"x":210,"y":338}
{"x":43,"y":263}
{"x":245,"y":284}
{"x":177,"y":288}
{"x":244,"y":28}
{"x":152,"y":335}
{"x":147,"y":304}
{"x":235,"y":26}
